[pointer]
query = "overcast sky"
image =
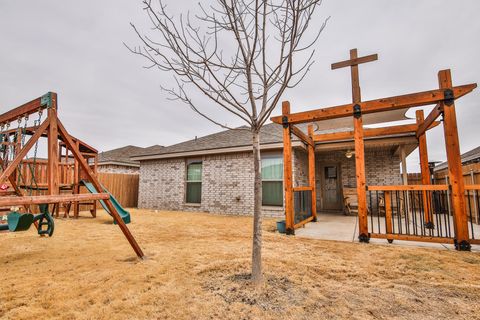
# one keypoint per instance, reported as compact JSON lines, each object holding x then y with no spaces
{"x":107,"y":99}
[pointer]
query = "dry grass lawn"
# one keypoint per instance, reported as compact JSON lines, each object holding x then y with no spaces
{"x":197,"y":268}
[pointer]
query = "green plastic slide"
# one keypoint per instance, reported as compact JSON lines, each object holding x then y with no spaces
{"x":124,"y":214}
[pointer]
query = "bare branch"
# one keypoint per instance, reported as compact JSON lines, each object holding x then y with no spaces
{"x":241,"y":54}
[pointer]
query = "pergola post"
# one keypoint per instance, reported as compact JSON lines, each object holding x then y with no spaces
{"x":455,"y":175}
{"x":287,"y":170}
{"x":424,"y":169}
{"x":311,"y":173}
{"x":360,"y":176}
{"x":359,"y":152}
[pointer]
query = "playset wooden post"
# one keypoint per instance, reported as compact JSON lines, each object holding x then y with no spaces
{"x":76,"y":183}
{"x":53,"y":179}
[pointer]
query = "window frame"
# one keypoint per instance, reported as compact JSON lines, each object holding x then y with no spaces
{"x":189,"y":162}
{"x":279,"y":180}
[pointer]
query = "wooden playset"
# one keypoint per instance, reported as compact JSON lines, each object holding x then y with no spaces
{"x":434,"y":213}
{"x":32,"y":188}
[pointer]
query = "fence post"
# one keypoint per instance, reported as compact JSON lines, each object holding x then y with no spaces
{"x":388,"y":212}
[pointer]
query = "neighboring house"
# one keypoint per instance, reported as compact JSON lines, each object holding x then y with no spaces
{"x":470,"y":162}
{"x":215,"y":173}
{"x":118,"y":160}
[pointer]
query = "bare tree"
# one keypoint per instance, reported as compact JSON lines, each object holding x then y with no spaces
{"x":243,"y":55}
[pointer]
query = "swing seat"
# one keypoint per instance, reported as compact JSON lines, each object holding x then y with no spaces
{"x":19,"y":221}
{"x":45,"y":219}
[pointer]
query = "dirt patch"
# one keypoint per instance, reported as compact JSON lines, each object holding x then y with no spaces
{"x":275,"y":294}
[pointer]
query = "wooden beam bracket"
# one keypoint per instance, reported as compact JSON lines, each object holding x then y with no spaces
{"x":448,"y":96}
{"x":357,"y":111}
{"x":46,"y":100}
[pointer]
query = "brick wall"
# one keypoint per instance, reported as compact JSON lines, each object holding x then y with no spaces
{"x":162,"y":184}
{"x":382,"y":167}
{"x":227,"y":180}
{"x":110,"y":168}
{"x":300,"y":168}
{"x":227,"y":185}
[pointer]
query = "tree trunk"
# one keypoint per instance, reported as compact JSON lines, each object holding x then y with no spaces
{"x":257,"y":276}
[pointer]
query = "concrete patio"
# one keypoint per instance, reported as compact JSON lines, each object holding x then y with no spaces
{"x":339,"y":227}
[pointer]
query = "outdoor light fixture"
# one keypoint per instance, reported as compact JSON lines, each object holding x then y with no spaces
{"x":349,"y":153}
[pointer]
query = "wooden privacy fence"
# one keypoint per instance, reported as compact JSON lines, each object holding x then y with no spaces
{"x":471,"y":177}
{"x":124,"y":187}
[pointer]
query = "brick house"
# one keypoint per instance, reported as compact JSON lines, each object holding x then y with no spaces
{"x":470,"y":161}
{"x":119,"y":161}
{"x":215,"y":173}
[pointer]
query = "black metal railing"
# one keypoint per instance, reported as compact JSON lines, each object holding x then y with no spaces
{"x":472,"y":195}
{"x":302,"y":205}
{"x":419,"y":213}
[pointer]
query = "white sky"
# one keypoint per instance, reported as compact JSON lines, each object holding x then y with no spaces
{"x":106,"y":98}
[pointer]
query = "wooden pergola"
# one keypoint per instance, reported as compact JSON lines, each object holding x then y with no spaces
{"x":444,"y":100}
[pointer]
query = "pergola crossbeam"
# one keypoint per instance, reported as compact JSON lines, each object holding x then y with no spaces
{"x":372,"y":106}
{"x":432,"y":116}
{"x":299,"y":133}
{"x":371,"y":132}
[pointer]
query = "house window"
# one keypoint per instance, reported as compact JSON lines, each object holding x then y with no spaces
{"x":272,"y":180}
{"x":194,"y":181}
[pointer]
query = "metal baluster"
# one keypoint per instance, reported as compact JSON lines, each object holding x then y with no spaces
{"x":470,"y":214}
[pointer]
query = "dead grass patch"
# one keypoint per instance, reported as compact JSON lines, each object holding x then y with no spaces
{"x":198,"y":265}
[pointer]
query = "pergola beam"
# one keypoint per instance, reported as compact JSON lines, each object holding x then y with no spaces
{"x":386,"y":104}
{"x":371,"y":132}
{"x":299,"y":133}
{"x":432,"y":116}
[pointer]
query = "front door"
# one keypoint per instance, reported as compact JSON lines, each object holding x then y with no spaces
{"x":331,"y":193}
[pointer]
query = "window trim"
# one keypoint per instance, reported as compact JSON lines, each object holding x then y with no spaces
{"x":281,"y":180}
{"x":187,"y":163}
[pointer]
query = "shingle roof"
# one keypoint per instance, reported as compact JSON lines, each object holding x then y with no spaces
{"x":121,"y":155}
{"x":469,"y":156}
{"x":270,"y":133}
